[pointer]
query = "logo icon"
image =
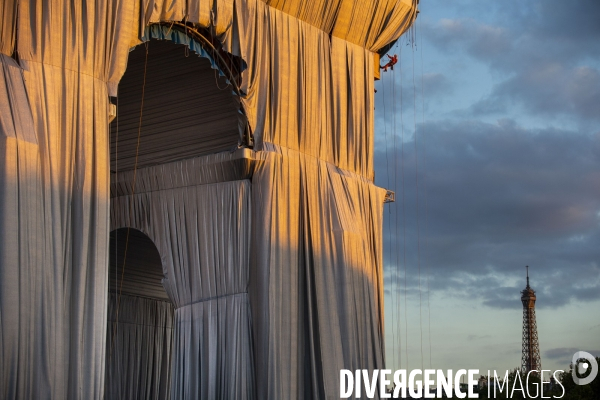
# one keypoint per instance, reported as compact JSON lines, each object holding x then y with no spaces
{"x":582,"y":367}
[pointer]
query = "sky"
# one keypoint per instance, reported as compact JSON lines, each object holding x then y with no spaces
{"x":504,"y":98}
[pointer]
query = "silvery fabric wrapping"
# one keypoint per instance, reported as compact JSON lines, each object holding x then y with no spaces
{"x":309,"y":100}
{"x":316,"y":280}
{"x":139,"y":345}
{"x":318,"y":93}
{"x":21,"y":249}
{"x":213,"y":349}
{"x":53,"y":230}
{"x":202,"y":233}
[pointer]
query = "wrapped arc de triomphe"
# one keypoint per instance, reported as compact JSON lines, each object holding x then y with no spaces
{"x":240,"y":148}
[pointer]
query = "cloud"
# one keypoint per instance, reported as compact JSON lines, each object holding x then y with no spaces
{"x":548,"y":89}
{"x":478,"y":337}
{"x":563,"y":355}
{"x":436,"y":84}
{"x":569,"y":29}
{"x":546,"y":56}
{"x":482,"y":41}
{"x":521,"y":35}
{"x":509,"y":171}
{"x":492,"y":199}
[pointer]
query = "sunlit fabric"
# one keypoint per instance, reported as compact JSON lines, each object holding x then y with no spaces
{"x":54,"y":233}
{"x":271,"y":257}
{"x":22,"y":287}
{"x":369,"y":24}
{"x":316,"y":275}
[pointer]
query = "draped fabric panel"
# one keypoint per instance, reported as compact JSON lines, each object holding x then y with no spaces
{"x":8,"y":20}
{"x":139,"y":345}
{"x":202,"y":233}
{"x":315,"y":93}
{"x":70,"y":116}
{"x":369,"y":24}
{"x":213,"y":168}
{"x":316,"y":275}
{"x":58,"y":183}
{"x":21,"y":249}
{"x":213,"y":350}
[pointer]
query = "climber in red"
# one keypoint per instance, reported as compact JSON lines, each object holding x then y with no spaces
{"x":390,"y":64}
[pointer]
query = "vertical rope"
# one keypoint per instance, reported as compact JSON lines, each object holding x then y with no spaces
{"x":417,"y":195}
{"x":394,"y":130}
{"x":403,"y":207}
{"x":115,"y":331}
{"x":387,"y":169}
{"x":186,"y":48}
{"x":214,"y":50}
{"x":424,"y":173}
{"x":120,"y":291}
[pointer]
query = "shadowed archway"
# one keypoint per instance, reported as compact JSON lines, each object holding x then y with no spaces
{"x":179,"y":105}
{"x":177,"y":120}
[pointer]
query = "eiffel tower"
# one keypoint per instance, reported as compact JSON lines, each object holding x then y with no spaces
{"x":530,"y":359}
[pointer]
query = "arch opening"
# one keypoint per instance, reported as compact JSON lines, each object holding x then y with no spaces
{"x":180,"y":98}
{"x":176,"y":101}
{"x":139,"y":272}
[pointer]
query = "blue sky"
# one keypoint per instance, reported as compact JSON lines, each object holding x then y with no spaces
{"x":506,"y":105}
